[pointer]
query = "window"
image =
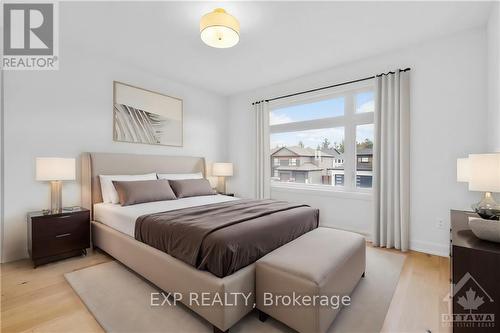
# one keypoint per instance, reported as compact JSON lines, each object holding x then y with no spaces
{"x":317,"y":150}
{"x":364,"y":151}
{"x":339,"y":180}
{"x":326,"y":108}
{"x":365,"y":102}
{"x":324,"y":139}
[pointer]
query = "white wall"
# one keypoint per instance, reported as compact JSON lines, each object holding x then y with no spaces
{"x":494,"y":78}
{"x":448,"y":105}
{"x":66,"y":112}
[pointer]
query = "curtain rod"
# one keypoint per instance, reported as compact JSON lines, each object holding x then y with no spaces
{"x":328,"y":87}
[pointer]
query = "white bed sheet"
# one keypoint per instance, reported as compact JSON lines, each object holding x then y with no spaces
{"x":122,"y":218}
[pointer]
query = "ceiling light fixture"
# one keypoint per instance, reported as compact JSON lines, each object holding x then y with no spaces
{"x":219,"y":29}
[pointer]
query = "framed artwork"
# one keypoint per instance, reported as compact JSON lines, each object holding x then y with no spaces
{"x":143,"y":116}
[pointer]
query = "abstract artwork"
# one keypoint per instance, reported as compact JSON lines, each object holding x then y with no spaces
{"x":143,"y":116}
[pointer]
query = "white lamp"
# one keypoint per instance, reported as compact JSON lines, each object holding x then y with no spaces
{"x":55,"y":170}
{"x":222,"y":170}
{"x":482,"y":172}
{"x":219,"y":29}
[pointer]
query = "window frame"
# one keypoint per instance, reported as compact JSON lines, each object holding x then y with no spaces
{"x":350,"y":120}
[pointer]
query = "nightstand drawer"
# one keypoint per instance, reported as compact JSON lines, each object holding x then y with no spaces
{"x":51,"y":226}
{"x":60,"y":243}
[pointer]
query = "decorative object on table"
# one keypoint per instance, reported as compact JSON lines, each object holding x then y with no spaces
{"x":222,"y":170}
{"x":143,"y":116}
{"x":482,"y":172}
{"x":55,"y":236}
{"x":485,"y":229}
{"x":55,"y":170}
{"x":219,"y":29}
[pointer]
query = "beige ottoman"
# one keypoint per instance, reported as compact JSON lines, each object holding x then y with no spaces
{"x":301,"y":283}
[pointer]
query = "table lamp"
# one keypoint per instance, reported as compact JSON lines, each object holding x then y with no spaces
{"x":482,"y":172}
{"x":222,"y":170}
{"x":55,"y":170}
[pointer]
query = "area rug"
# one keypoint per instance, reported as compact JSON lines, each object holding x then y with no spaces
{"x":119,"y":299}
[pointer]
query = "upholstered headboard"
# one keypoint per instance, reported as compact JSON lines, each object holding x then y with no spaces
{"x":95,"y":164}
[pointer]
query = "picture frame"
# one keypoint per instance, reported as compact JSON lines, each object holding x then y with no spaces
{"x":146,"y":117}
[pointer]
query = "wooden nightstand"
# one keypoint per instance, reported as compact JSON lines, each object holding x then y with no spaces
{"x":57,"y":236}
{"x":474,"y":267}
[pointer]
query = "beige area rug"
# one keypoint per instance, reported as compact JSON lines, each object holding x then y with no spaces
{"x":120,"y":301}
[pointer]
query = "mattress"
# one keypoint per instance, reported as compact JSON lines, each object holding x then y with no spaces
{"x":123,"y":218}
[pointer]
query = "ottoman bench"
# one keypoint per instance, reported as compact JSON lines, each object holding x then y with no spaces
{"x":304,"y":283}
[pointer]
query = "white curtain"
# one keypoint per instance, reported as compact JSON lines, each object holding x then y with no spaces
{"x":391,"y":164}
{"x":262,"y":151}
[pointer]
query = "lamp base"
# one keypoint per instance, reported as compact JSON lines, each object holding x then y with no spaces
{"x":487,"y":208}
{"x":221,"y":184}
{"x":56,"y":196}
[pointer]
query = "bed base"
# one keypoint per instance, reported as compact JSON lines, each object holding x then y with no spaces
{"x":173,"y":275}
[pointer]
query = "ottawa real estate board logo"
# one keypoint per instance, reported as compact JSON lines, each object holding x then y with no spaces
{"x":30,"y":36}
{"x":469,"y":306}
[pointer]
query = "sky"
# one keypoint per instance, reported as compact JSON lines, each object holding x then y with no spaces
{"x":319,"y":110}
{"x":310,"y":138}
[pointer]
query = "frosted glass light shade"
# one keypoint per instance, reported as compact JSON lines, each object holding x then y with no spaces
{"x":484,"y":172}
{"x":463,"y":170}
{"x":55,"y":168}
{"x":222,"y":169}
{"x":219,"y":29}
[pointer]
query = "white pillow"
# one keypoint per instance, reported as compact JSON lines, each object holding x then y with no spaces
{"x":180,"y":176}
{"x":109,"y":194}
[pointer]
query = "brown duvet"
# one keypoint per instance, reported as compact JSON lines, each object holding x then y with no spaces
{"x":224,"y":237}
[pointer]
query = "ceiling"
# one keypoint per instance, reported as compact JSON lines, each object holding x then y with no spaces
{"x":279,"y":40}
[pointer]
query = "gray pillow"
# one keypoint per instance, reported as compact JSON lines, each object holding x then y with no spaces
{"x":140,"y":191}
{"x":184,"y":188}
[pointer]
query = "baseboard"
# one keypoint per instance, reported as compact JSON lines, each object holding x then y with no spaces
{"x":415,"y":245}
{"x":430,"y":248}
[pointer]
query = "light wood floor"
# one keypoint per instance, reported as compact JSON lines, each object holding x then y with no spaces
{"x":40,"y":300}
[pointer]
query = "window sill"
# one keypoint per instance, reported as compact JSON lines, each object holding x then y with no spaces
{"x":321,"y":190}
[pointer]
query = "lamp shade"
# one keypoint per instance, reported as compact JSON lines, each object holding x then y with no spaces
{"x":484,"y":172}
{"x":219,"y":29}
{"x":55,"y":168}
{"x":222,"y":169}
{"x":463,"y":170}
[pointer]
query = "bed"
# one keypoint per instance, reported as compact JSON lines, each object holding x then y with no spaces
{"x":113,"y":229}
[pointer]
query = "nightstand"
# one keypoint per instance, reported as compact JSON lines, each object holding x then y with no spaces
{"x":474,"y":268}
{"x":58,"y":236}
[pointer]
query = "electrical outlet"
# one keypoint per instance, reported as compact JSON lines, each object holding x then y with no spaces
{"x":440,"y":224}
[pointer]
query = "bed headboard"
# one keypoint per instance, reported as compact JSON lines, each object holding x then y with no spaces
{"x":95,"y":164}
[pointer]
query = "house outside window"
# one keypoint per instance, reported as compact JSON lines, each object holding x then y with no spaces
{"x":325,"y":139}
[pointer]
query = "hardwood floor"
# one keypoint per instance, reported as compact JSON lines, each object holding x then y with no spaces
{"x":418,"y":303}
{"x":40,"y":300}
